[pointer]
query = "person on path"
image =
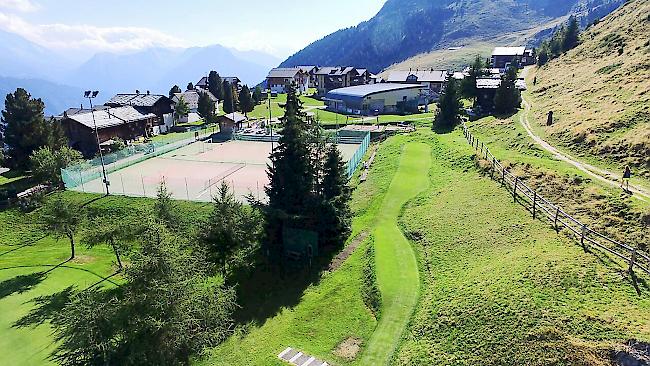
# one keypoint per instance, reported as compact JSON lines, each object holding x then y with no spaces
{"x":626,"y":178}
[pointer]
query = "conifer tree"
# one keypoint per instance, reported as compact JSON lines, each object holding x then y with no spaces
{"x":468,"y":84}
{"x":215,"y":85}
{"x":257,"y":95}
{"x":206,"y":107}
{"x":571,"y":34}
{"x":507,"y":98}
{"x":336,"y":215}
{"x":449,"y":106}
{"x":25,"y":129}
{"x":228,"y":101}
{"x":291,"y":176}
{"x":174,"y":90}
{"x":246,"y":100}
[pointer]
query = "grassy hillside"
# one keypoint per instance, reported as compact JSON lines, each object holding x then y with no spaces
{"x":501,"y":288}
{"x":600,"y":91}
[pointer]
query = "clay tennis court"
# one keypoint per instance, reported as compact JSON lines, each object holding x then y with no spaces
{"x":195,"y":172}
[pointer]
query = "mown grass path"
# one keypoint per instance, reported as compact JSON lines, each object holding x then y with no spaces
{"x":397,"y":269}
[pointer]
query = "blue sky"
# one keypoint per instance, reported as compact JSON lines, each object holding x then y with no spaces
{"x":279,"y":27}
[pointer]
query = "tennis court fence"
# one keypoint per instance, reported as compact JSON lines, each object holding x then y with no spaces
{"x":89,"y":170}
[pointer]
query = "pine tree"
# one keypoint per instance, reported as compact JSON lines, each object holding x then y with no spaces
{"x":215,"y":85}
{"x":336,"y":215}
{"x":174,"y":90}
{"x":228,"y":102}
{"x":449,"y":106}
{"x":25,"y":129}
{"x":291,"y":176}
{"x":246,"y":100}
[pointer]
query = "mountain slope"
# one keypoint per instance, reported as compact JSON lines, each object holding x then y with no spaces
{"x":21,"y":58}
{"x":158,"y":69}
{"x":600,"y":91}
{"x":56,"y":97}
{"x":405,"y":28}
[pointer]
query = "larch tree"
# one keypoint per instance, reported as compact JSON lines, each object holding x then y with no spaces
{"x":63,"y":218}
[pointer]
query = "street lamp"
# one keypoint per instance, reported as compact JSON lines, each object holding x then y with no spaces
{"x":270,"y":117}
{"x":92,"y":95}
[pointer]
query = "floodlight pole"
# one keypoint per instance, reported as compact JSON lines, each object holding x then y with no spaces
{"x":90,"y":96}
{"x":270,"y":122}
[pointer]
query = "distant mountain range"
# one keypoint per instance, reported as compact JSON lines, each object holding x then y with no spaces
{"x":406,"y":28}
{"x":58,"y":79}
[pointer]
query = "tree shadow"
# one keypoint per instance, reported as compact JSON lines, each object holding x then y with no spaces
{"x":443,"y":130}
{"x":45,"y":308}
{"x":21,"y":284}
{"x":268,"y":288}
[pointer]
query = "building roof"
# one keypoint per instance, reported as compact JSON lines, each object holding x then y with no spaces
{"x":135,"y":100}
{"x":284,"y":72}
{"x":110,"y":117}
{"x":203,"y":83}
{"x":235,"y":117}
{"x":307,"y":69}
{"x":509,"y":51}
{"x":422,"y":76}
{"x":488,"y":83}
{"x":335,"y":71}
{"x":231,"y":79}
{"x":492,"y":83}
{"x":362,"y":91}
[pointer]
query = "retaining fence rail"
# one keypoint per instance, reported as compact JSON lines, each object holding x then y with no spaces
{"x":539,"y":205}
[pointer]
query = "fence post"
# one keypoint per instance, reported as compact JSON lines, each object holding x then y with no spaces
{"x":122,"y":179}
{"x":632,"y":260}
{"x":503,"y":176}
{"x":187,"y":191}
{"x":557,"y":213}
{"x":144,"y":191}
{"x":514,"y":191}
{"x":534,"y":205}
{"x":582,"y":237}
{"x":494,"y":168}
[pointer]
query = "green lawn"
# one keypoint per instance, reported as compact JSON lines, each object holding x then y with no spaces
{"x":397,"y":269}
{"x":33,"y":264}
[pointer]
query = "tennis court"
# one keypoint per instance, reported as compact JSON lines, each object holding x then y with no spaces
{"x":195,"y":171}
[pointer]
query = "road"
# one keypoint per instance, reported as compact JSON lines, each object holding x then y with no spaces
{"x":599,"y":174}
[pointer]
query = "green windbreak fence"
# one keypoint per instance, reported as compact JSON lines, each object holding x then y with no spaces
{"x":89,"y":170}
{"x":355,"y":137}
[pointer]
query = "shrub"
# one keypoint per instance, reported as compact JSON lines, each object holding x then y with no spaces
{"x":370,"y":290}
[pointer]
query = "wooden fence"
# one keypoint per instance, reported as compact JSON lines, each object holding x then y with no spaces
{"x":542,"y":208}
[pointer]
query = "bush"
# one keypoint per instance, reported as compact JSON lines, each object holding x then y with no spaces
{"x":370,"y":290}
